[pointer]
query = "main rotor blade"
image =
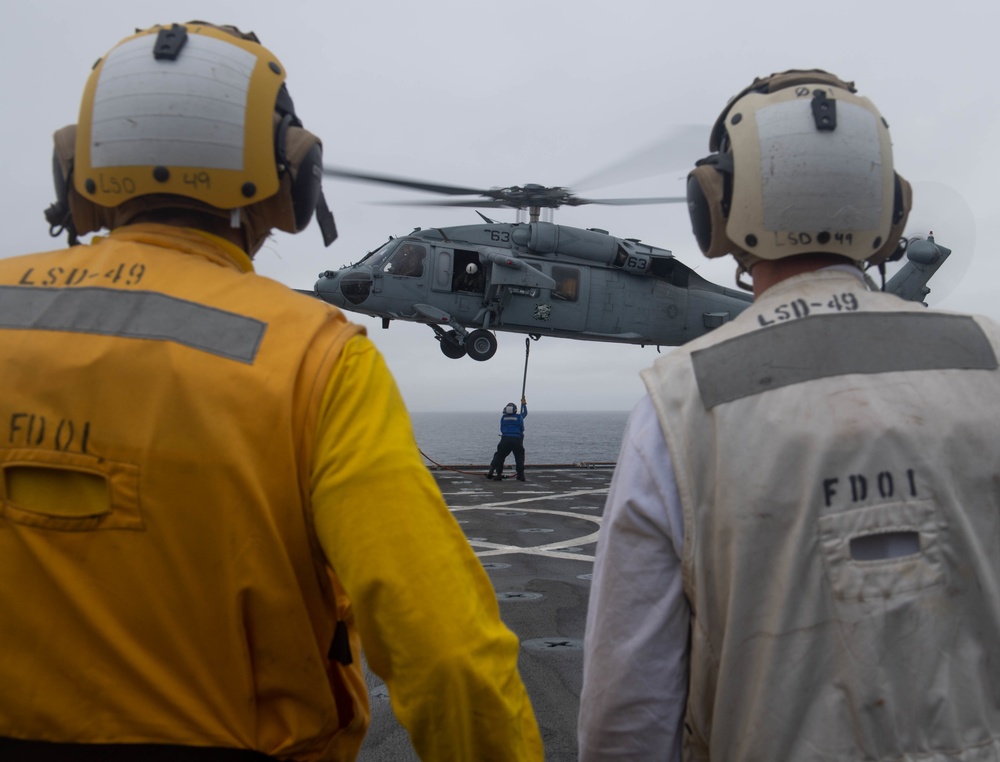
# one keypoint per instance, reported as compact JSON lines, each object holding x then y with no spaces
{"x":473,"y":203}
{"x":678,"y":149}
{"x":450,"y":190}
{"x":628,"y":201}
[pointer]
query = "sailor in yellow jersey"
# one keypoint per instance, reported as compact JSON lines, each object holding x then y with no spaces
{"x":211,"y":495}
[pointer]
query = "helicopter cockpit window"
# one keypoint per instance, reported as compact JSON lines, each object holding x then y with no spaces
{"x":377,"y":257}
{"x":567,"y":283}
{"x":407,"y":260}
{"x":670,"y":270}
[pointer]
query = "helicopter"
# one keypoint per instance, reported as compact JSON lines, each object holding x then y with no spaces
{"x":543,"y":279}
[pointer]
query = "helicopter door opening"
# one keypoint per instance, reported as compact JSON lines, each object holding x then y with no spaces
{"x":468,"y":275}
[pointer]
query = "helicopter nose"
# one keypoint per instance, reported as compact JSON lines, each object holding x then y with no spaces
{"x":338,"y":287}
{"x":326,"y":287}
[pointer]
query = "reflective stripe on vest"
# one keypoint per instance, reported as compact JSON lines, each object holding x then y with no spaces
{"x":837,"y":345}
{"x":132,"y":315}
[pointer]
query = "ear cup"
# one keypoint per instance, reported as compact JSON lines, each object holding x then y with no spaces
{"x":709,"y":190}
{"x":306,"y":185}
{"x":903,"y":202}
{"x":69,"y":212}
{"x":299,"y":153}
{"x":58,"y":215}
{"x":699,"y":212}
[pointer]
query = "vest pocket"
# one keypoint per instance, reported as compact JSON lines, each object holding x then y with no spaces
{"x":875,"y":553}
{"x":68,"y":492}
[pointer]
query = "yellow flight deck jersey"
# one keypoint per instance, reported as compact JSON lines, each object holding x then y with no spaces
{"x":183,"y":446}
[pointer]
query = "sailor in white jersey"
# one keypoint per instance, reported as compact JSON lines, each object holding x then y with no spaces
{"x":800,"y":554}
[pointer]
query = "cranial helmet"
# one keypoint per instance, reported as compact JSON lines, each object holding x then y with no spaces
{"x":801,"y":164}
{"x":192,"y":116}
{"x":471,"y":268}
{"x":510,"y":409}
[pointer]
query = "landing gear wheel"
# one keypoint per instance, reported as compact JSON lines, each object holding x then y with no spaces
{"x":451,"y":345}
{"x":481,"y":345}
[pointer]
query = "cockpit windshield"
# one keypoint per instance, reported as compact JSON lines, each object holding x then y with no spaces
{"x":407,"y":260}
{"x":398,"y":257}
{"x":377,"y":257}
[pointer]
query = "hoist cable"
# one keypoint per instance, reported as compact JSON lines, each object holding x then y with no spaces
{"x":527,"y":350}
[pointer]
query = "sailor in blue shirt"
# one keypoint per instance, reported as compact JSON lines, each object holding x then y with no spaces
{"x":511,"y":441}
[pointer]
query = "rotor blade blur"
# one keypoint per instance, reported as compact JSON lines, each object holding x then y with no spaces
{"x":450,"y":190}
{"x":471,"y":203}
{"x":629,"y":201}
{"x":678,"y":149}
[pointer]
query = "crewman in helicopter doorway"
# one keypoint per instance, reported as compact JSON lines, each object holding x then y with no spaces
{"x":511,"y":441}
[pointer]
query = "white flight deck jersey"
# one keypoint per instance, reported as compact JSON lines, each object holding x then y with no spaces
{"x":836,"y":454}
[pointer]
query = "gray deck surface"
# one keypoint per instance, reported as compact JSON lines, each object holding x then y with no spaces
{"x":536,"y":540}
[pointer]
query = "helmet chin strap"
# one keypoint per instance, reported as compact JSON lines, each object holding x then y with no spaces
{"x":250,"y":242}
{"x":741,"y":270}
{"x":255,"y":232}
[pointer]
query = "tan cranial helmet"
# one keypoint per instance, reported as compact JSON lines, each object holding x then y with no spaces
{"x":192,"y":116}
{"x":801,"y":164}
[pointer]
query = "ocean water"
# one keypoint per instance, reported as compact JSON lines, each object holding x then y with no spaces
{"x":550,"y":438}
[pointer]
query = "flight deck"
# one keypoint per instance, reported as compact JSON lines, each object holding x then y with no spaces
{"x":536,"y":539}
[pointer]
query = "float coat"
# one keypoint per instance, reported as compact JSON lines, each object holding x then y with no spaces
{"x":809,"y":435}
{"x":155,"y":605}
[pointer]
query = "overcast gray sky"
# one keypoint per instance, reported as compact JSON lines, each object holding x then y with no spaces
{"x":486,"y":94}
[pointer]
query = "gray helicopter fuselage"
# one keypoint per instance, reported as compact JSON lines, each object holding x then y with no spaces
{"x":535,"y":278}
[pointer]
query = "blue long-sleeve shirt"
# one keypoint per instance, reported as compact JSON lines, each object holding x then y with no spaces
{"x":512,"y":424}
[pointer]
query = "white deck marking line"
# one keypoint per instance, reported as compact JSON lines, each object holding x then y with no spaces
{"x":554,"y":496}
{"x":549,"y":550}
